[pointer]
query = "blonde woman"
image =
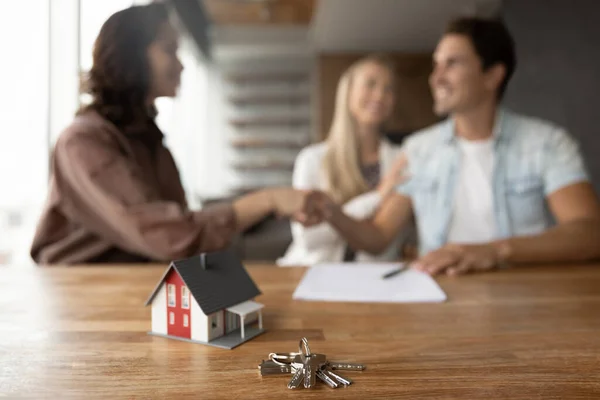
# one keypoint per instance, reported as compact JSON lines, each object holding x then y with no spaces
{"x":356,"y":166}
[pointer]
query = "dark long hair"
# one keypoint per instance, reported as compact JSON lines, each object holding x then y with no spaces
{"x":119,"y":80}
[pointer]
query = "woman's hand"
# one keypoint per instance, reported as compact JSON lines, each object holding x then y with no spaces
{"x":395,"y":176}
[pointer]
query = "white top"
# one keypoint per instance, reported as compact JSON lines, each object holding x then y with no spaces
{"x":322,"y":243}
{"x":473,"y":211}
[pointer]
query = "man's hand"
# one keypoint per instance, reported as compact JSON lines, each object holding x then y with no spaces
{"x":457,"y":259}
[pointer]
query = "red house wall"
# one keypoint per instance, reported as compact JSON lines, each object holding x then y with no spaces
{"x":175,"y":322}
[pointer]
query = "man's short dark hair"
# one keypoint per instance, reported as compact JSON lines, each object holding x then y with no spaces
{"x":492,"y":42}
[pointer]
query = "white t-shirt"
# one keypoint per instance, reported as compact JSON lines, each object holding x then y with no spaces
{"x":473,"y":218}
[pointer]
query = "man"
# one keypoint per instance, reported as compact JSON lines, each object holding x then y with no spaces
{"x":487,"y":186}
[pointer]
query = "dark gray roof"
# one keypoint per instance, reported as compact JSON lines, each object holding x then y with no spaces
{"x":222,"y":284}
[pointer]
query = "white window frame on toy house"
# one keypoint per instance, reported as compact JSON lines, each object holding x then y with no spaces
{"x":171,"y":318}
{"x":185,"y":298}
{"x":186,"y":321}
{"x":171,"y":295}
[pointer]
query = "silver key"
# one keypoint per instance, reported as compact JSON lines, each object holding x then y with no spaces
{"x":320,"y":359}
{"x":310,"y":365}
{"x":296,"y":379}
{"x":346,"y":366}
{"x":270,"y":368}
{"x":306,"y":367}
{"x":344,"y":381}
{"x":322,"y":375}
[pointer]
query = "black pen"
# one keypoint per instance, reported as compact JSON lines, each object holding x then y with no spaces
{"x":394,"y":272}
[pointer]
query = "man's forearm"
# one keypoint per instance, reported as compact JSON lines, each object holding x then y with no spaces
{"x":360,"y":234}
{"x":569,"y":242}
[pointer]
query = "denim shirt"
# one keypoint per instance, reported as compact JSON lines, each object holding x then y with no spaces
{"x":533,"y":158}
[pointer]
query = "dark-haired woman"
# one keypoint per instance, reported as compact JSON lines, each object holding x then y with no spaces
{"x":115,"y":194}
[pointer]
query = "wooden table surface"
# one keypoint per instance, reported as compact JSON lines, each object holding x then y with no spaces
{"x":522,"y":333}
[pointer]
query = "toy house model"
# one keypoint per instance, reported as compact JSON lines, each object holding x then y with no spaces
{"x":206,"y":299}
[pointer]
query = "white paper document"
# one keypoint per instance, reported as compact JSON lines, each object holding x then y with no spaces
{"x":361,"y":282}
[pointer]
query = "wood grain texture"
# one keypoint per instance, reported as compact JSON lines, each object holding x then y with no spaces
{"x":414,"y":104}
{"x":523,"y":333}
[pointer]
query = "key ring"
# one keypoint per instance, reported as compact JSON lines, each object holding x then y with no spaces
{"x":302,"y":347}
{"x":283,"y":359}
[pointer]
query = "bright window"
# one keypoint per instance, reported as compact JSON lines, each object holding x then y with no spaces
{"x":24,"y":120}
{"x":185,"y":298}
{"x":171,"y":318}
{"x":171,"y":302}
{"x":186,"y":321}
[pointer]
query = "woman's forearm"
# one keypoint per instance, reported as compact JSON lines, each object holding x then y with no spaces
{"x":359,"y":234}
{"x":252,"y":208}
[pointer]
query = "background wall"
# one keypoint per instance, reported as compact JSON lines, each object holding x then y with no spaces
{"x":260,"y":112}
{"x":557,"y":77}
{"x":413,"y":102}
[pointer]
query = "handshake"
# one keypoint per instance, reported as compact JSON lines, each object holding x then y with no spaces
{"x":309,"y":207}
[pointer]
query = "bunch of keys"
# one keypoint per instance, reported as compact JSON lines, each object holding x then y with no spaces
{"x":306,"y":367}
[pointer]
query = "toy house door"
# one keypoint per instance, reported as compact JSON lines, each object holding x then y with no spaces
{"x":178,"y":307}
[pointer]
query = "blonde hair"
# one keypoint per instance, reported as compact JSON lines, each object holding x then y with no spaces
{"x":341,"y":164}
